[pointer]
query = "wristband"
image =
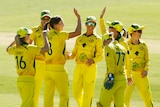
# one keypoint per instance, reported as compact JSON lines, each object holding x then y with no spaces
{"x":44,"y":31}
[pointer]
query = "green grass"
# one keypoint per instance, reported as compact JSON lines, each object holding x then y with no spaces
{"x":17,"y":13}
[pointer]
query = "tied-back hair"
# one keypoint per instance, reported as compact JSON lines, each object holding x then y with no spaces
{"x":54,"y":20}
{"x":20,"y":41}
{"x":125,"y":33}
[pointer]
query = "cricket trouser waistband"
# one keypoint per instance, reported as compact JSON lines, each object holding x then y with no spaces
{"x":26,"y":78}
{"x":54,"y":68}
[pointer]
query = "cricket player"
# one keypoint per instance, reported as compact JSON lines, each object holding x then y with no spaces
{"x":117,"y":28}
{"x":25,"y":63}
{"x":87,"y":52}
{"x":115,"y":79}
{"x":55,"y":74}
{"x":38,"y":40}
{"x":140,"y":66}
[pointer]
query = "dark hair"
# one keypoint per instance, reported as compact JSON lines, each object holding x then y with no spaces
{"x":22,"y":41}
{"x":55,"y":20}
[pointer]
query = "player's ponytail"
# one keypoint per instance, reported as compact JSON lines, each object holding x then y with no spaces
{"x":17,"y":40}
{"x":20,"y":41}
{"x":125,"y":34}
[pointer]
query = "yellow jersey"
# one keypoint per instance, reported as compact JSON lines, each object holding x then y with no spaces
{"x":115,"y":56}
{"x":57,"y":41}
{"x":140,"y":56}
{"x":124,"y":43}
{"x":87,"y":47}
{"x":38,"y":39}
{"x":25,"y":59}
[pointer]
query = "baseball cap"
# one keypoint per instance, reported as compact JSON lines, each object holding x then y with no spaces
{"x":91,"y":19}
{"x":107,"y":36}
{"x":45,"y":13}
{"x":135,"y":27}
{"x":115,"y":24}
{"x":23,"y":31}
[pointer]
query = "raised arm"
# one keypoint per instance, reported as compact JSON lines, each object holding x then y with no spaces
{"x":103,"y":12}
{"x":102,"y":23}
{"x":79,"y":26}
{"x":46,"y":43}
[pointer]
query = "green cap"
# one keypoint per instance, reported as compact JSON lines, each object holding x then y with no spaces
{"x":91,"y":19}
{"x":23,"y":31}
{"x":45,"y":13}
{"x":135,"y":27}
{"x":116,"y":25}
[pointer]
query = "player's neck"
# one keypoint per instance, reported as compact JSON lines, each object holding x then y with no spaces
{"x":135,"y":42}
{"x":89,"y":33}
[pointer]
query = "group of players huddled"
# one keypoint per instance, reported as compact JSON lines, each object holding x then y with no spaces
{"x":41,"y":54}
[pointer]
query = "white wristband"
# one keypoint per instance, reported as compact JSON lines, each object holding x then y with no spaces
{"x":44,"y":31}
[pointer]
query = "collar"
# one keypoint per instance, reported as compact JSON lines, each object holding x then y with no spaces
{"x":88,"y":35}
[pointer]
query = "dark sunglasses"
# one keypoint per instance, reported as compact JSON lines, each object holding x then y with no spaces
{"x":139,"y":31}
{"x":90,"y":23}
{"x":44,"y":18}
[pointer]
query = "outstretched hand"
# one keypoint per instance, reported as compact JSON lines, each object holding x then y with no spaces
{"x":76,"y":12}
{"x":103,"y":12}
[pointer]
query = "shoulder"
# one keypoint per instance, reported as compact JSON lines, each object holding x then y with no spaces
{"x":31,"y":46}
{"x":36,"y":28}
{"x":142,"y":42}
{"x":96,"y":36}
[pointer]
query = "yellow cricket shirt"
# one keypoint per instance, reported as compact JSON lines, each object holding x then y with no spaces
{"x":57,"y":41}
{"x":115,"y":56}
{"x":38,"y":39}
{"x":140,"y":56}
{"x":25,"y":59}
{"x":88,"y":47}
{"x":123,"y":43}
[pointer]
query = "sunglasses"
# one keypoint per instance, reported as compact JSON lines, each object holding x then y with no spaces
{"x":139,"y":31}
{"x":44,"y":18}
{"x":90,"y":23}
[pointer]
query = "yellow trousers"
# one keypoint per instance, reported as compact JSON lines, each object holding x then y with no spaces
{"x":116,"y":93}
{"x":83,"y":84}
{"x":26,"y":86}
{"x":40,"y":67}
{"x":56,"y":78}
{"x":143,"y":87}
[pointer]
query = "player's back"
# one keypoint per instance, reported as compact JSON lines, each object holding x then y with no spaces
{"x":25,"y":59}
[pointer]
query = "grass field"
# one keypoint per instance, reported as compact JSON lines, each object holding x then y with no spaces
{"x":17,"y":13}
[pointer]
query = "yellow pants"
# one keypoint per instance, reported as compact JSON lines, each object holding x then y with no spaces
{"x":83,"y":84}
{"x":116,"y":93}
{"x":56,"y":78}
{"x":26,"y":86}
{"x":143,"y":87}
{"x":40,"y":67}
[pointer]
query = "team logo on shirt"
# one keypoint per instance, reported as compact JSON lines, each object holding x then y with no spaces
{"x":91,"y":40}
{"x":135,"y":66}
{"x":141,"y":48}
{"x":82,"y":57}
